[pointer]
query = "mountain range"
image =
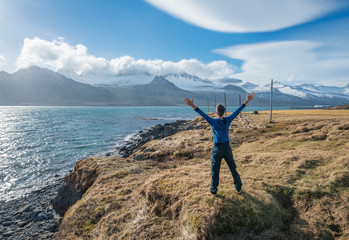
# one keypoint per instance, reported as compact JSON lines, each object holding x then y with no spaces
{"x":40,"y":86}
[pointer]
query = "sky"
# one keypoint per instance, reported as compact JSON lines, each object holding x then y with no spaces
{"x":290,"y":41}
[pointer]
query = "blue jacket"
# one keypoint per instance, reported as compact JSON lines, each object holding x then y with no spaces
{"x":220,"y":129}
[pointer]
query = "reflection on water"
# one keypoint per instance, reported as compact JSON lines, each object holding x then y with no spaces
{"x":39,"y":143}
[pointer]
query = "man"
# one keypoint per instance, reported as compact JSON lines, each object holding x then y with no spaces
{"x":221,"y":148}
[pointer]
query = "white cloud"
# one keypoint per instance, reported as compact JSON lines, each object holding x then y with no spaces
{"x":292,"y":61}
{"x":58,"y":55}
{"x":2,"y":60}
{"x":247,"y":15}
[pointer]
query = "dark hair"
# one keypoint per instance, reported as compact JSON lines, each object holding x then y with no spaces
{"x":220,"y":109}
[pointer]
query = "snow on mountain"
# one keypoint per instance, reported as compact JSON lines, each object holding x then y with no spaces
{"x":121,"y":80}
{"x":249,"y":87}
{"x":312,"y":90}
{"x":323,"y":91}
{"x":291,"y":91}
{"x":189,"y":82}
{"x":193,"y":83}
{"x":308,"y":87}
{"x":228,"y":81}
{"x":331,"y":89}
{"x":282,"y":88}
{"x":346,"y":89}
{"x":130,"y":80}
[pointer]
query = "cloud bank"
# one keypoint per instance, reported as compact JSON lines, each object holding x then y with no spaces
{"x":292,"y":61}
{"x":58,"y":55}
{"x":285,"y":61}
{"x":2,"y":60}
{"x":247,"y":15}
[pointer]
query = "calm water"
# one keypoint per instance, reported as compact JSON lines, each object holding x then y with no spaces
{"x":38,"y":144}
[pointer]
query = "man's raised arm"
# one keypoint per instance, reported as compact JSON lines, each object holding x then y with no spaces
{"x":249,"y":98}
{"x":190,"y":102}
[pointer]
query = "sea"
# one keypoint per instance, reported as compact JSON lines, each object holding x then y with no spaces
{"x":39,"y":145}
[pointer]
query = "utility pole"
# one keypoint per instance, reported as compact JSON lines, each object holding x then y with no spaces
{"x":240,"y":115}
{"x":215,"y":103}
{"x":225,"y":102}
{"x":271,"y":101}
{"x":208,"y":105}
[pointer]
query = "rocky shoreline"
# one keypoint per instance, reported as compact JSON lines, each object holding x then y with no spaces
{"x":38,"y":214}
{"x":31,"y":216}
{"x":156,"y":132}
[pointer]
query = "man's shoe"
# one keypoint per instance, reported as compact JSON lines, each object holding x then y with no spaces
{"x":212,"y":194}
{"x":237,"y":189}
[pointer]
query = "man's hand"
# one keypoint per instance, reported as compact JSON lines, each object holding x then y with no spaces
{"x":190,"y":102}
{"x":249,"y":97}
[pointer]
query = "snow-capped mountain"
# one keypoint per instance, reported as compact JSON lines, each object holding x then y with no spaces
{"x":346,"y":89}
{"x":249,"y":87}
{"x":120,"y":80}
{"x":189,"y":82}
{"x":37,"y":86}
{"x":226,"y":81}
{"x":185,"y":81}
{"x":304,"y":91}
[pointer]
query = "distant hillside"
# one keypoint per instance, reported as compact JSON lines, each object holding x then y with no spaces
{"x":38,"y":86}
{"x":346,"y":106}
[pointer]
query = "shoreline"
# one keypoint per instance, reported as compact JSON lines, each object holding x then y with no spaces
{"x":37,"y":215}
{"x":31,"y":216}
{"x":159,"y":131}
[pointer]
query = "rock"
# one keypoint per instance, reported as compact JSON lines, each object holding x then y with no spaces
{"x":23,"y":209}
{"x":7,"y":219}
{"x":8,"y":234}
{"x":7,"y":223}
{"x":21,"y":223}
{"x":155,"y":132}
{"x":32,"y":215}
{"x":40,"y":217}
{"x":138,"y":157}
{"x":47,"y":236}
{"x":76,"y":183}
{"x":168,"y":131}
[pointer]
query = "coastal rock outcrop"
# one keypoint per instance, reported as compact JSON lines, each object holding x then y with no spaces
{"x":76,"y":184}
{"x":156,"y":132}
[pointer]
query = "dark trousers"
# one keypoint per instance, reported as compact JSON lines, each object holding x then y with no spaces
{"x":223,"y":150}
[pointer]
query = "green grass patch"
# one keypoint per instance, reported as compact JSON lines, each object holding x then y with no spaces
{"x":275,"y":128}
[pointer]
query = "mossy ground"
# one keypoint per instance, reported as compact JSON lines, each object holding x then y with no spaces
{"x":295,"y":173}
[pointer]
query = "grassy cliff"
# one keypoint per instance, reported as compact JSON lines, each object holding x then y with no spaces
{"x":295,"y":173}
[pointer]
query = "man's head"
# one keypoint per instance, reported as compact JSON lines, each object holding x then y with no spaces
{"x":220,"y":110}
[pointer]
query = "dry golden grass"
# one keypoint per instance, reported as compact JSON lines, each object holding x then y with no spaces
{"x":295,"y":174}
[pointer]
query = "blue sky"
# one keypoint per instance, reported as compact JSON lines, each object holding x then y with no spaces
{"x":291,"y":41}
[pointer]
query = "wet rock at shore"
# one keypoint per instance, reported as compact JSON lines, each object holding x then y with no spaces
{"x":32,"y":216}
{"x":156,"y":132}
{"x":38,"y":215}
